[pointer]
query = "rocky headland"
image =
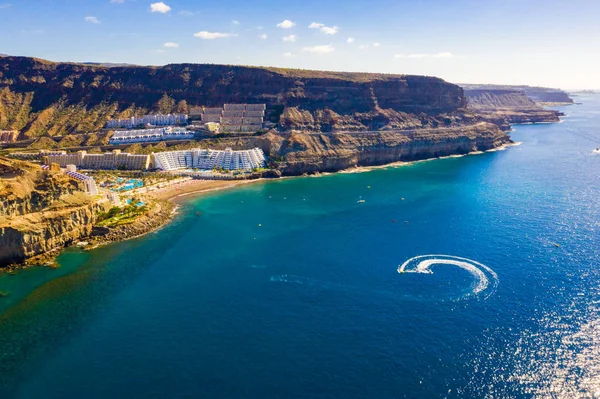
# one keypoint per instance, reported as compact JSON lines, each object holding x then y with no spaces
{"x":40,"y":211}
{"x":44,"y":211}
{"x":504,"y":105}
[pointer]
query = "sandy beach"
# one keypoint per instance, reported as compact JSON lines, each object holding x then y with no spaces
{"x":190,"y":187}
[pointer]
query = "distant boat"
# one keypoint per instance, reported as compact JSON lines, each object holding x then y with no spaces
{"x":596,"y":151}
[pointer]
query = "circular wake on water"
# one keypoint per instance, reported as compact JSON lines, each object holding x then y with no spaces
{"x":486,"y":280}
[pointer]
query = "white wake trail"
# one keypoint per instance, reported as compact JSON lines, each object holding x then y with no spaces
{"x":486,"y":278}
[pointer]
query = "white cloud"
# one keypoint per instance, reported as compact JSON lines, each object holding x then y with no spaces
{"x":376,"y":44}
{"x":286,"y":24}
{"x":421,"y":55}
{"x":92,"y":20}
{"x":350,"y":40}
{"x":259,"y":28}
{"x":363,"y":46}
{"x":186,"y":13}
{"x":213,"y":35}
{"x":5,"y":5}
{"x":328,"y":30}
{"x":117,"y":1}
{"x":290,"y":38}
{"x":160,"y":51}
{"x":235,"y":22}
{"x":288,"y":55}
{"x":171,"y":45}
{"x":160,"y":7}
{"x":324,"y":49}
{"x":263,"y":36}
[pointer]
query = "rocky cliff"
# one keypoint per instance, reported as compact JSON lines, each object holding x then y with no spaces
{"x":39,"y":233}
{"x":40,"y":211}
{"x":39,"y":97}
{"x":504,"y":105}
{"x":492,"y":99}
{"x":539,"y":95}
{"x":310,"y":153}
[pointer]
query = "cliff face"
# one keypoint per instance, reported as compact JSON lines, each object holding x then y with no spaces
{"x":38,"y":96}
{"x":541,"y":95}
{"x":39,"y":211}
{"x":326,"y":120}
{"x":504,"y":105}
{"x":491,"y":99}
{"x":311,"y":153}
{"x":35,"y":234}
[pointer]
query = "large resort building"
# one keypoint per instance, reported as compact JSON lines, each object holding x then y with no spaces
{"x":110,"y":160}
{"x":149,"y":135}
{"x":203,"y":159}
{"x":154,"y":120}
{"x":210,"y":159}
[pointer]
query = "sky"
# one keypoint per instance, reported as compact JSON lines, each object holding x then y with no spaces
{"x":554,"y":43}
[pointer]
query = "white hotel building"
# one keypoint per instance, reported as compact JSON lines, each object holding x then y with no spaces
{"x":154,"y":120}
{"x":209,"y":159}
{"x":149,"y":135}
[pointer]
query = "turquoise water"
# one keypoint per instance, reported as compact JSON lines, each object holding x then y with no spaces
{"x":290,"y":288}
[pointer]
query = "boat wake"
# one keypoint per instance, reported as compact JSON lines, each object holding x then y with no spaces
{"x":486,"y":280}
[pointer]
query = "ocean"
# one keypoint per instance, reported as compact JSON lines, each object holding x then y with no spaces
{"x":291,"y":288}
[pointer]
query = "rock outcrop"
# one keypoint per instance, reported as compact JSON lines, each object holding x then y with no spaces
{"x":310,"y":153}
{"x":504,"y":105}
{"x":34,"y":234}
{"x":538,"y":95}
{"x":40,"y":210}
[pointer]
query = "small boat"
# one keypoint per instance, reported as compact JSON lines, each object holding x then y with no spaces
{"x":556,"y":245}
{"x":360,"y":201}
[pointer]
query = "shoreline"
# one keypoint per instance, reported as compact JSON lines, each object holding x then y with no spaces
{"x":192,"y":187}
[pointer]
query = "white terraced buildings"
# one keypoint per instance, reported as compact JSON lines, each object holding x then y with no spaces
{"x":210,"y":159}
{"x":154,"y":120}
{"x":88,"y":182}
{"x":147,"y":135}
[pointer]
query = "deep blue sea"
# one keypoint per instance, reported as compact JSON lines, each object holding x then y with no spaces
{"x":291,"y":289}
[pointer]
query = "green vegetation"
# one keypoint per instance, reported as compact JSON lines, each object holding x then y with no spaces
{"x":118,"y":216}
